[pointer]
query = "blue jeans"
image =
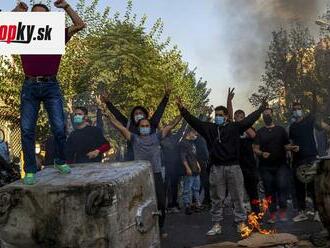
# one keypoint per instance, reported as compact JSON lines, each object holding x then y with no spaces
{"x":31,"y":96}
{"x":191,"y":186}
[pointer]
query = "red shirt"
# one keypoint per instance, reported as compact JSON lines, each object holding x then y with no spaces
{"x":42,"y":65}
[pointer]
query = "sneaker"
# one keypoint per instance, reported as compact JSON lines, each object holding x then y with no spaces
{"x":272,"y":218}
{"x":317,"y":217}
{"x":283,"y":216}
{"x":30,"y":179}
{"x":310,"y":212}
{"x":173,"y":210}
{"x":188,"y":211}
{"x":240,"y":227}
{"x":216,"y":229}
{"x":62,"y":168}
{"x":300,"y":217}
{"x":164,"y":235}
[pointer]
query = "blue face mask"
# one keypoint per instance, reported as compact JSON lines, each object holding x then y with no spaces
{"x":78,"y":119}
{"x":219,"y":120}
{"x":145,"y":130}
{"x":298,"y":113}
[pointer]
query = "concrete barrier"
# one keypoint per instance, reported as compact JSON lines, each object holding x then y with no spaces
{"x":97,"y":205}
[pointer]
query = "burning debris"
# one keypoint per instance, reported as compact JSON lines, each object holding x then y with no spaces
{"x":255,"y":219}
{"x":272,"y":240}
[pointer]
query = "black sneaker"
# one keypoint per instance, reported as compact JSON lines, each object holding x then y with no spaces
{"x":188,"y":211}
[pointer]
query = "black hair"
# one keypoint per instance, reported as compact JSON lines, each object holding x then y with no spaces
{"x":189,"y":130}
{"x":40,"y":5}
{"x":222,"y":108}
{"x":296,"y":104}
{"x":143,"y":109}
{"x":271,"y":110}
{"x":83,"y":109}
{"x":138,"y":123}
{"x":239,"y":111}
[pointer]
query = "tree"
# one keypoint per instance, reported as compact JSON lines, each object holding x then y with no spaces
{"x":118,"y":54}
{"x":293,"y":71}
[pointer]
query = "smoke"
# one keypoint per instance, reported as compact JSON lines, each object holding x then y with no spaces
{"x":246,"y":27}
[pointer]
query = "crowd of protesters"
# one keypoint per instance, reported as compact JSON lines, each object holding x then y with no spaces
{"x":202,"y":164}
{"x":210,"y":161}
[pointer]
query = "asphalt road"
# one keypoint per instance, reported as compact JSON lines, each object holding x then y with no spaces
{"x":189,"y":231}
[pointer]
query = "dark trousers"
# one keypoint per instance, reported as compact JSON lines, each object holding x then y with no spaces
{"x":301,"y":190}
{"x":275,"y":181}
{"x":205,"y":182}
{"x":31,"y":96}
{"x":172,"y":180}
{"x":251,"y":180}
{"x":161,"y":197}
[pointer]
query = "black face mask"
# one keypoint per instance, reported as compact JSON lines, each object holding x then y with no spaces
{"x":268,"y":120}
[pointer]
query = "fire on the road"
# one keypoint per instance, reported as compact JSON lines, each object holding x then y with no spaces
{"x":254,"y":220}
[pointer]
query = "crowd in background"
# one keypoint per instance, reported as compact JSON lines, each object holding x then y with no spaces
{"x":202,"y":165}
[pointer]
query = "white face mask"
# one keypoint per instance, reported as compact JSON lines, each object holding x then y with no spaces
{"x":138,"y":117}
{"x":37,"y":150}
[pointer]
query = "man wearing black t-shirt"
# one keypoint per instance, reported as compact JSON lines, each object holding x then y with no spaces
{"x":248,"y":164}
{"x":86,"y":143}
{"x":271,"y":144}
{"x":302,"y":134}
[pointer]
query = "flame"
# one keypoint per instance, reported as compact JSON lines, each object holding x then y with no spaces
{"x":254,"y":219}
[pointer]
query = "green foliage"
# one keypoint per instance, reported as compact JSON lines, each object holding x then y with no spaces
{"x":296,"y":70}
{"x":133,"y":64}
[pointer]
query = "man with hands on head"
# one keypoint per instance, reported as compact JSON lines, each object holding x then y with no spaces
{"x":223,"y":141}
{"x":41,"y":85}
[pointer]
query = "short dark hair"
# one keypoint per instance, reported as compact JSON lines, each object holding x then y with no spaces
{"x":144,"y":119}
{"x":83,"y":109}
{"x":239,"y":111}
{"x":296,"y":104}
{"x":271,"y":110}
{"x":222,"y":108}
{"x":189,"y":129}
{"x":40,"y":5}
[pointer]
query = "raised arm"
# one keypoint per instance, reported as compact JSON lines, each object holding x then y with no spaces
{"x":168,"y":128}
{"x":124,"y":131}
{"x":104,"y":98}
{"x":78,"y":23}
{"x":156,"y":117}
{"x":248,"y":121}
{"x":230,"y":98}
{"x":20,"y":7}
{"x":195,"y":123}
{"x":180,"y":132}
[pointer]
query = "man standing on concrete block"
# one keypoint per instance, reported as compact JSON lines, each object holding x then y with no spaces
{"x":41,"y":85}
{"x":223,"y":141}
